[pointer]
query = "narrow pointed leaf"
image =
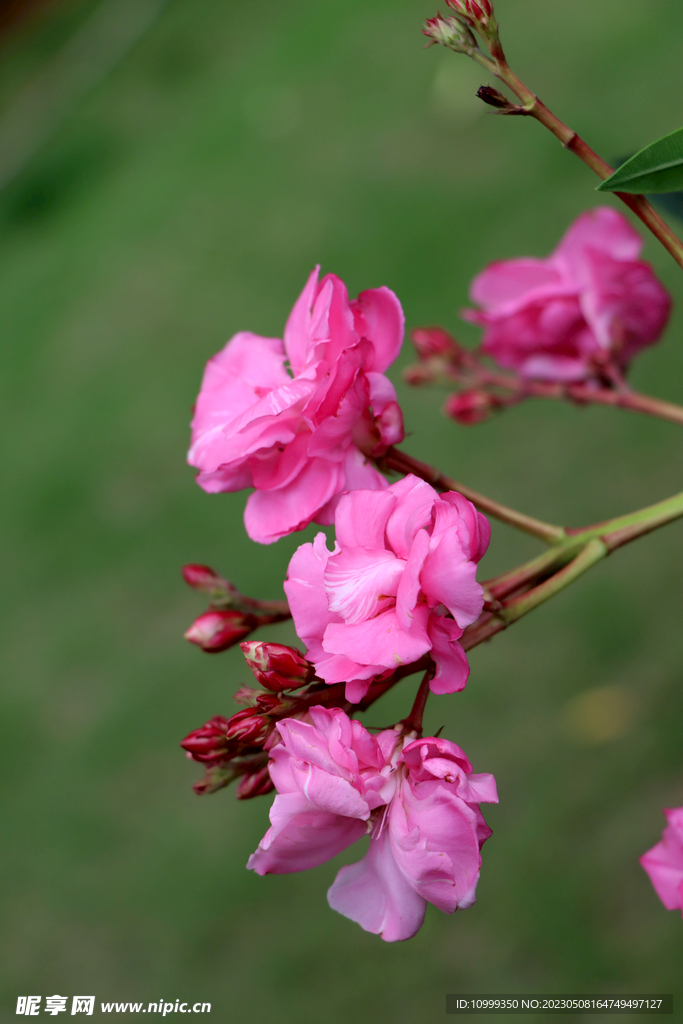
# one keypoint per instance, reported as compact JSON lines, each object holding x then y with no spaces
{"x":657,"y":168}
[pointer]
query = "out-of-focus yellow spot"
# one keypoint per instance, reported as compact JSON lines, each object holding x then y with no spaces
{"x":600,"y":715}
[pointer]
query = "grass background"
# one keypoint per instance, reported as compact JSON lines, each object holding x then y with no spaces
{"x":184,"y":198}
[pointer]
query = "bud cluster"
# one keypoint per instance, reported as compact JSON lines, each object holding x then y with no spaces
{"x":450,"y":32}
{"x":237,"y":747}
{"x":231,"y":616}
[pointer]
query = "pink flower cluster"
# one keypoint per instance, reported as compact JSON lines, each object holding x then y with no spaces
{"x":301,"y":439}
{"x":418,"y":801}
{"x":592,"y":301}
{"x":664,"y":862}
{"x":401,"y":582}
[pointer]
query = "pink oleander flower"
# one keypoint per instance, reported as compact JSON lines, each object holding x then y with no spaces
{"x":418,"y":802}
{"x":400,"y":583}
{"x":300,"y":438}
{"x":664,"y":862}
{"x":592,"y":301}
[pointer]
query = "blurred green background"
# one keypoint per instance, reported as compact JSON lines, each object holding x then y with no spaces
{"x":164,"y":195}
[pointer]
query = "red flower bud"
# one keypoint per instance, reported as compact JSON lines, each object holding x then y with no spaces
{"x":256,"y":784}
{"x":210,"y":742}
{"x":478,"y":10}
{"x":215,"y":631}
{"x":268,"y":703}
{"x":201,"y":577}
{"x":248,"y":727}
{"x":434,"y":341}
{"x":276,"y":666}
{"x":470,"y":407}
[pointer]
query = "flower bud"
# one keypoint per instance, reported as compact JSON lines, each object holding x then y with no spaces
{"x":450,"y":32}
{"x":478,"y":11}
{"x":418,"y":374}
{"x":470,"y":407}
{"x":248,"y":727}
{"x":215,"y":631}
{"x":495,"y":98}
{"x":276,"y":666}
{"x":210,"y":742}
{"x":255,"y":784}
{"x":217,"y":777}
{"x":206,"y":580}
{"x":434,"y":341}
{"x":268,"y":703}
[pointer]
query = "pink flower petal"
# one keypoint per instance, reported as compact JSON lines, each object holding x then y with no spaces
{"x":409,"y":585}
{"x":309,"y":839}
{"x":413,"y":511}
{"x":358,"y":582}
{"x":297,"y":329}
{"x":305,"y":592}
{"x":375,"y":894}
{"x":380,"y":640}
{"x":270,"y":515}
{"x":504,"y":283}
{"x":435,"y":844}
{"x":602,"y":228}
{"x":452,"y":666}
{"x":379,"y":318}
{"x":362,"y":517}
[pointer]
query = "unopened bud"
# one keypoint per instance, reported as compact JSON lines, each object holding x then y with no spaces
{"x":246,"y":695}
{"x":450,"y":32}
{"x":217,"y":777}
{"x":268,"y":703}
{"x":495,"y":98}
{"x":434,"y":341}
{"x":470,"y":407}
{"x":255,"y":784}
{"x":276,"y":666}
{"x":418,"y":374}
{"x":215,"y":631}
{"x":206,"y":580}
{"x":210,"y":742}
{"x":478,"y":11}
{"x":248,"y":727}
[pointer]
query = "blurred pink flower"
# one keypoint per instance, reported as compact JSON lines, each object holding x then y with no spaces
{"x":399,"y":583}
{"x":420,"y":806}
{"x":591,"y":301}
{"x":664,"y":862}
{"x":302,"y":438}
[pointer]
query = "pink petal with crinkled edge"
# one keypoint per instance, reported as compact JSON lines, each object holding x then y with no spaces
{"x":624,"y":303}
{"x":305,"y":590}
{"x":359,"y":474}
{"x":448,"y":576}
{"x":305,"y":743}
{"x":234,"y":381}
{"x":380,"y":640}
{"x":232,"y":477}
{"x":602,"y":228}
{"x":362,"y":517}
{"x":338,"y":668}
{"x":270,"y":515}
{"x":477,"y":525}
{"x":375,"y":894}
{"x":297,"y":328}
{"x":413,"y":512}
{"x":379,"y":317}
{"x":452,"y":666}
{"x":309,"y":839}
{"x":435,"y":845}
{"x":360,"y":582}
{"x":502,"y":285}
{"x":416,"y":753}
{"x":332,"y":322}
{"x":334,"y":435}
{"x":276,"y":467}
{"x":328,"y":792}
{"x":409,"y":585}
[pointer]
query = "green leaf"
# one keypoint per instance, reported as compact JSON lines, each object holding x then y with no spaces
{"x":657,"y":168}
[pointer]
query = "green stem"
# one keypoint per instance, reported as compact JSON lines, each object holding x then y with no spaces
{"x":532,"y":106}
{"x":403,"y":463}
